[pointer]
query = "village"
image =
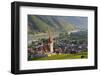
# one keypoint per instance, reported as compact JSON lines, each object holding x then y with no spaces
{"x":56,"y":46}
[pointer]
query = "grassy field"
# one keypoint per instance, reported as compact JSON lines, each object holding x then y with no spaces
{"x":82,"y":55}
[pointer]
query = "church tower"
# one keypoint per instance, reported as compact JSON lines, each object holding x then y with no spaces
{"x":50,"y":41}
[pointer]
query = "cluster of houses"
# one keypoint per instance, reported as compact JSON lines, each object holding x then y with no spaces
{"x":56,"y":46}
{"x":62,"y":48}
{"x":71,"y":47}
{"x":43,"y":49}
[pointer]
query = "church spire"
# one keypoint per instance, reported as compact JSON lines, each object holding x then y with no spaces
{"x":50,"y":41}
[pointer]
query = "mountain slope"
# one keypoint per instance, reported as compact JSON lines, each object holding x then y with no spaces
{"x":41,"y":23}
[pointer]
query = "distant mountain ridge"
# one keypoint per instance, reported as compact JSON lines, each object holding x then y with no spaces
{"x":41,"y":23}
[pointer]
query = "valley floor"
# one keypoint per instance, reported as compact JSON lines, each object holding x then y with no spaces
{"x":82,"y":55}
